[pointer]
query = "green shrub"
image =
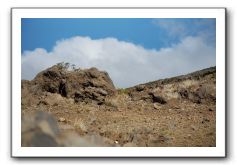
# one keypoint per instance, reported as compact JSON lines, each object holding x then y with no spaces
{"x":122,"y":91}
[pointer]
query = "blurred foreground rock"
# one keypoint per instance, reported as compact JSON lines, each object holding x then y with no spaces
{"x":41,"y":130}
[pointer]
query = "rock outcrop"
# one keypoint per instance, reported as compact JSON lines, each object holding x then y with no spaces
{"x":89,"y":85}
{"x":186,"y":87}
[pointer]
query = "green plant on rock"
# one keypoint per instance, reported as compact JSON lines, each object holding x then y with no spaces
{"x":63,"y":65}
{"x":122,"y":91}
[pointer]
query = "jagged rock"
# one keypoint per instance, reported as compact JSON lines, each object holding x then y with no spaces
{"x":205,"y":94}
{"x":183,"y":93}
{"x":93,"y":73}
{"x":52,"y":74}
{"x":88,"y":85}
{"x":200,"y":95}
{"x":24,"y":84}
{"x":52,"y":99}
{"x":63,"y":88}
{"x":140,"y":87}
{"x":136,"y":96}
{"x":157,"y":98}
{"x":78,"y":96}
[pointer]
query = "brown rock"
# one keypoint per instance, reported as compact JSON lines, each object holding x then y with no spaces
{"x":157,"y":98}
{"x":140,"y":87}
{"x":90,"y":85}
{"x":62,"y":119}
{"x":156,"y":106}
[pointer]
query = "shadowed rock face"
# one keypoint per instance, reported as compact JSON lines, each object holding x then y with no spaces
{"x":89,"y":85}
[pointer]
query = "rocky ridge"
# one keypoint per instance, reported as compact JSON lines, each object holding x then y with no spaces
{"x":83,"y":108}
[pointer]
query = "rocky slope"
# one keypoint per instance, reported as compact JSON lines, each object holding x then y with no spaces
{"x":82,"y":108}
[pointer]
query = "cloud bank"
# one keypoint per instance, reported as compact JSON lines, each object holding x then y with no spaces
{"x":128,"y":64}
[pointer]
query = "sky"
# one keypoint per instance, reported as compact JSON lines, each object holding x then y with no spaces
{"x":131,"y":50}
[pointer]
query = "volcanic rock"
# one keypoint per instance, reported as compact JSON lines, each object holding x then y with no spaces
{"x":89,"y":85}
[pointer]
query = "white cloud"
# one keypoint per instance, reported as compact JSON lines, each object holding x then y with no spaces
{"x":180,"y":28}
{"x":172,"y":26}
{"x":127,"y":64}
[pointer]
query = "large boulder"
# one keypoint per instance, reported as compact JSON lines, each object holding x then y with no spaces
{"x":88,"y":85}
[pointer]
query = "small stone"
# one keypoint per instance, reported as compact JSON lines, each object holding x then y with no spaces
{"x":55,"y":104}
{"x":205,"y":120}
{"x":189,"y":136}
{"x":162,"y":138}
{"x":43,"y":102}
{"x":156,"y":106}
{"x":210,"y":109}
{"x":62,"y":119}
{"x":176,"y":107}
{"x":193,"y":127}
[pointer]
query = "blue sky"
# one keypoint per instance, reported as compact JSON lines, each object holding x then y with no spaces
{"x":149,"y":33}
{"x":157,"y":48}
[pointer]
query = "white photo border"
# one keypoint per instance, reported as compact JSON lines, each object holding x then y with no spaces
{"x":116,"y":12}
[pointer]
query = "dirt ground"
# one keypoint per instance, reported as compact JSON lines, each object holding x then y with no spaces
{"x":183,"y":115}
{"x":177,"y":123}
